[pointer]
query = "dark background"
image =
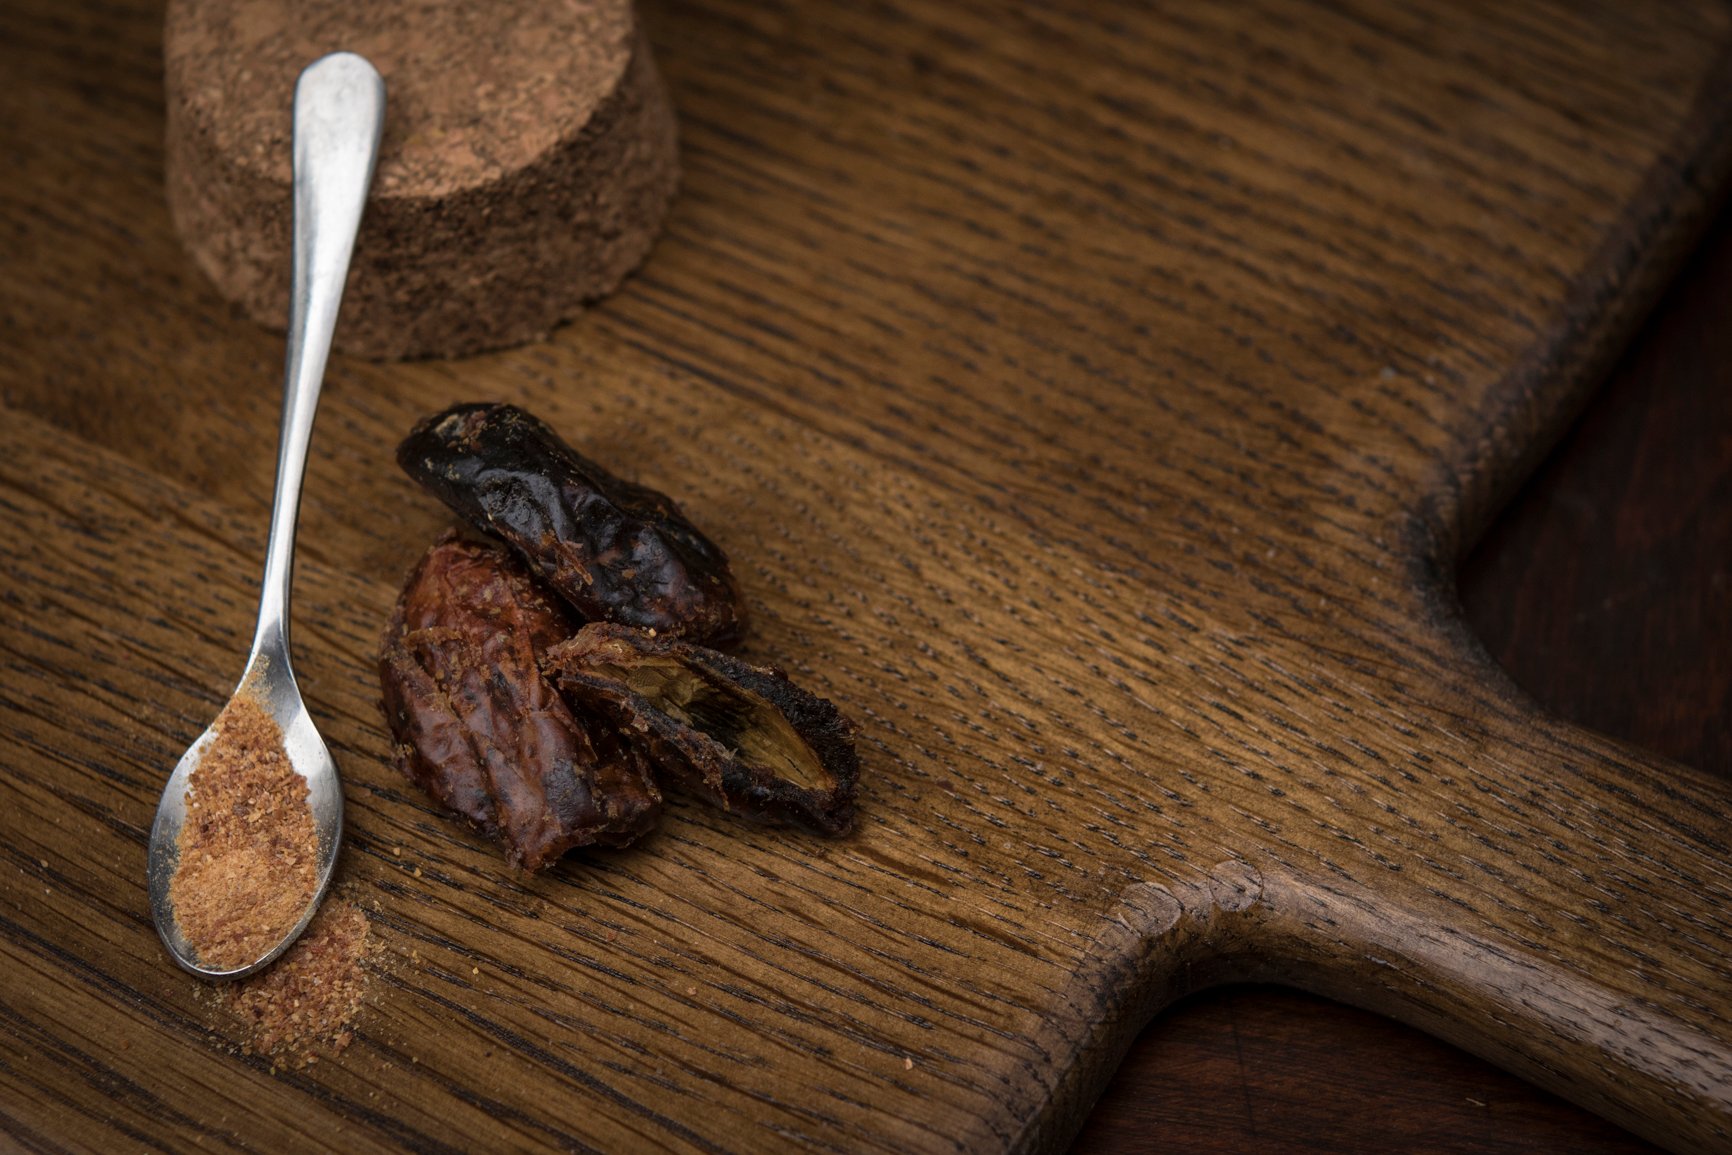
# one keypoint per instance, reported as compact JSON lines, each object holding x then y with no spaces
{"x":1605,"y":590}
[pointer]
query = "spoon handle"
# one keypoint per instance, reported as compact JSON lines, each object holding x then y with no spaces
{"x":339,"y":114}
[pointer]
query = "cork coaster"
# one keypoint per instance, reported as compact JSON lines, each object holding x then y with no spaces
{"x":528,"y":161}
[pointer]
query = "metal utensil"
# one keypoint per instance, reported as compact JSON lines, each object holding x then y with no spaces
{"x":339,"y":112}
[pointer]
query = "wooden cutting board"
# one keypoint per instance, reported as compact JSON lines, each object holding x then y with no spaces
{"x":1094,"y":401}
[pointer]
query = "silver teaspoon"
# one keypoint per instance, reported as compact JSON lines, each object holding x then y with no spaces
{"x":339,"y":112}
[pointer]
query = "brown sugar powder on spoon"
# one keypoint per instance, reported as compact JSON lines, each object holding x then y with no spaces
{"x":248,"y":865}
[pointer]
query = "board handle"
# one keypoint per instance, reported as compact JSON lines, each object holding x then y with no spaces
{"x":1575,"y":928}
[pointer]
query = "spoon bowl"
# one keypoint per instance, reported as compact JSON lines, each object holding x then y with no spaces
{"x":339,"y":114}
{"x":271,"y":681}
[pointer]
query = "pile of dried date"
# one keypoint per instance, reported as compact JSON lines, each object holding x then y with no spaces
{"x":544,"y":689}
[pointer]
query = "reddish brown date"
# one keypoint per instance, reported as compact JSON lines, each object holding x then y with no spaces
{"x":481,"y":730}
{"x":616,"y":551}
{"x":743,"y":737}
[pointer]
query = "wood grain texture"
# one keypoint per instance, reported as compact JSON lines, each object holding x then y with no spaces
{"x":1094,"y":402}
{"x":1603,"y":590}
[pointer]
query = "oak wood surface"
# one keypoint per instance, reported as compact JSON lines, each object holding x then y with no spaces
{"x":1094,"y":401}
{"x":1604,"y":590}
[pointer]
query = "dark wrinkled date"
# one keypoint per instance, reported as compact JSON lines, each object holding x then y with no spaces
{"x":618,"y":552}
{"x":546,"y":733}
{"x":482,"y":731}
